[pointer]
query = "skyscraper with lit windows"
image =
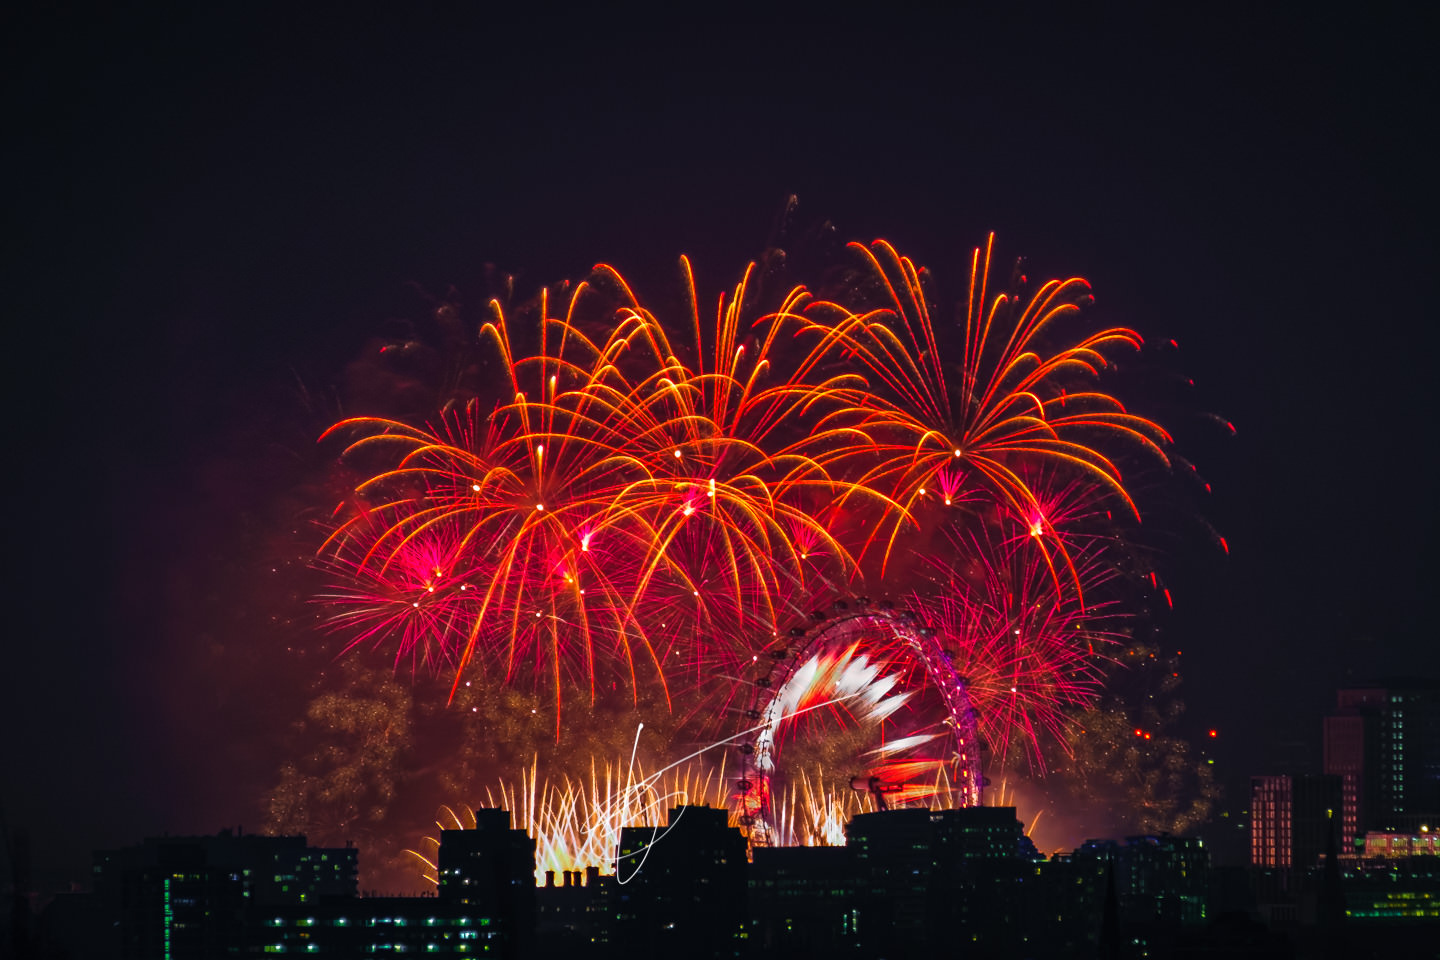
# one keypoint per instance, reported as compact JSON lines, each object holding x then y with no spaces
{"x":1291,"y":819}
{"x":1384,"y":743}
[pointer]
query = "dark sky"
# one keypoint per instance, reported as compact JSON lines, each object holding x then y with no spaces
{"x":211,"y":207}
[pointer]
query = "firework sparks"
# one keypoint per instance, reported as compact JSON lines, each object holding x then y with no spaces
{"x":577,"y":823}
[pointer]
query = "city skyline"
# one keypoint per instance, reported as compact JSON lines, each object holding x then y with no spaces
{"x":906,"y":880}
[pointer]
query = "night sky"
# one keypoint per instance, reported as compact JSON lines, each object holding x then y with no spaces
{"x":213,"y":213}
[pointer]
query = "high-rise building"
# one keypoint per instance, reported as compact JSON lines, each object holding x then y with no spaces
{"x":925,"y":875}
{"x":894,"y":856}
{"x":1291,"y":819}
{"x":1272,"y":816}
{"x":490,"y":869}
{"x":1351,"y":752}
{"x":681,"y":889}
{"x":1383,"y":742}
{"x":1318,"y":804}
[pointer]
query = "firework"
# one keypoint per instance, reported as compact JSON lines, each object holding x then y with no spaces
{"x":646,"y":500}
{"x":616,"y":479}
{"x":577,"y":823}
{"x":1125,"y":767}
{"x":1030,"y":656}
{"x":423,"y":597}
{"x":928,"y":434}
{"x":345,"y":785}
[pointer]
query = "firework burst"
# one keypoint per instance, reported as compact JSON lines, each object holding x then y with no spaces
{"x":1031,"y":656}
{"x":645,"y":499}
{"x":930,"y":433}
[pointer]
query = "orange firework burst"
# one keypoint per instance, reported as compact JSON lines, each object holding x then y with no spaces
{"x":615,"y":477}
{"x":644,"y":495}
{"x":729,"y":486}
{"x":931,"y":433}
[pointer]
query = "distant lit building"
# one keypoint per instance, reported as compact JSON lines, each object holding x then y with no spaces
{"x":1291,"y":819}
{"x":1159,"y":879}
{"x":177,"y":897}
{"x":1391,"y":890}
{"x":1384,"y":846}
{"x":1272,"y":815}
{"x":1384,"y":742}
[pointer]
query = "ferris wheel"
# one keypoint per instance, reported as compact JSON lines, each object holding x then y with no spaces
{"x":863,"y":664}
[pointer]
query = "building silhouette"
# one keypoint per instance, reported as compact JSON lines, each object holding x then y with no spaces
{"x":574,"y":916}
{"x":1161,"y":892}
{"x":907,"y":883}
{"x":195,"y":898}
{"x":200,"y":896}
{"x":490,"y":869}
{"x":803,"y":901}
{"x":927,"y":876}
{"x":680,"y":889}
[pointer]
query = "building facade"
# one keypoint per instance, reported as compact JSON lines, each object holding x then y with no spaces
{"x":1291,"y":819}
{"x":1383,"y":742}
